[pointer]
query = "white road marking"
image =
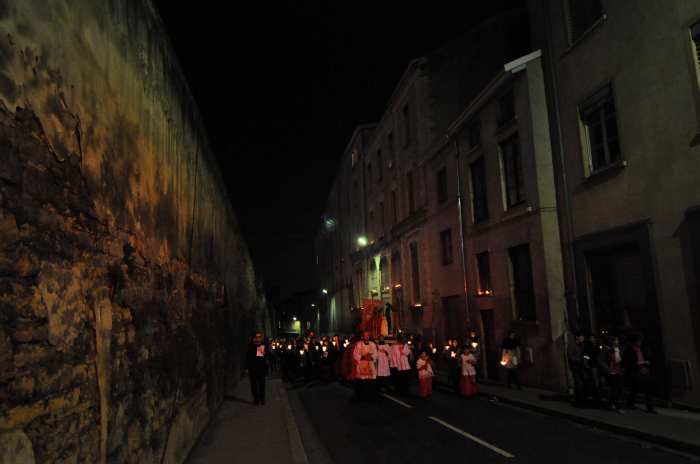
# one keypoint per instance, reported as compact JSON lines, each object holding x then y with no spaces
{"x":396,"y":400}
{"x":472,"y":437}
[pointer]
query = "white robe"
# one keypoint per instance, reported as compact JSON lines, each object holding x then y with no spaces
{"x":361,"y":350}
{"x":468,"y":361}
{"x":384,"y":353}
{"x":424,"y":368}
{"x":399,"y":357}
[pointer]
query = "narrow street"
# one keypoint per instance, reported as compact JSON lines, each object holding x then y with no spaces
{"x":446,"y":428}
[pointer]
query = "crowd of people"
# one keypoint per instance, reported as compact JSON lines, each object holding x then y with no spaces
{"x":604,"y":361}
{"x":373,"y":365}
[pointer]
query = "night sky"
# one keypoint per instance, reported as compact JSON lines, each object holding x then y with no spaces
{"x":281,"y":86}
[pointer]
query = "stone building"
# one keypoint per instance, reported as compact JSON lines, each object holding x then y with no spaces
{"x":624,"y":96}
{"x":500,"y":153}
{"x":388,"y":251}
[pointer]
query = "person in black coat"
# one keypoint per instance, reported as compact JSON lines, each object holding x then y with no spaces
{"x":635,"y":360}
{"x":256,"y":363}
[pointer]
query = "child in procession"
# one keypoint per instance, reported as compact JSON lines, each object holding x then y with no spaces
{"x":424,"y":366}
{"x":467,"y":385}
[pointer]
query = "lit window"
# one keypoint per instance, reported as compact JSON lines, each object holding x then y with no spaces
{"x":598,"y":117}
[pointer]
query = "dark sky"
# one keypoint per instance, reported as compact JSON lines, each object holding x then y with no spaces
{"x":281,"y":86}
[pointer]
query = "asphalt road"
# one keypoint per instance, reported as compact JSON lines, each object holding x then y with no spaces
{"x":447,"y":428}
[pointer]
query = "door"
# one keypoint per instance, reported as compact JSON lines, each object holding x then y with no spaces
{"x":491,"y":347}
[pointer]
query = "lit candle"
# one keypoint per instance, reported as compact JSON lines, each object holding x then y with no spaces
{"x":324,"y":349}
{"x":453,"y":354}
{"x":301,"y":352}
{"x":289,"y":347}
{"x":474,"y":345}
{"x":434,"y":350}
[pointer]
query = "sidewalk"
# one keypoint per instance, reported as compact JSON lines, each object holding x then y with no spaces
{"x":672,"y":428}
{"x":243,"y":432}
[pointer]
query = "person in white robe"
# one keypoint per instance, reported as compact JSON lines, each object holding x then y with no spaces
{"x":365,"y":356}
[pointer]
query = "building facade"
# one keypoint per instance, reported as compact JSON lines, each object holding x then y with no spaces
{"x":623,"y":87}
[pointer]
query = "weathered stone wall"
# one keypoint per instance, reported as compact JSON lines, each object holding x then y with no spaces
{"x":126,"y":289}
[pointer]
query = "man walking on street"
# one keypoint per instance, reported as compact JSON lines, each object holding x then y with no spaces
{"x":256,"y":363}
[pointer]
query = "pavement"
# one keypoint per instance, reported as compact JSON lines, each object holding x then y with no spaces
{"x":243,"y":432}
{"x":323,"y":423}
{"x":673,"y":428}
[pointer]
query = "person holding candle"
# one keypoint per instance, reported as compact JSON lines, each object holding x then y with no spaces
{"x":424,"y":366}
{"x":467,"y":385}
{"x":452,"y":356}
{"x":510,"y":359}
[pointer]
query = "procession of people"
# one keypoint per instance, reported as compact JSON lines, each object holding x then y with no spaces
{"x":373,"y":365}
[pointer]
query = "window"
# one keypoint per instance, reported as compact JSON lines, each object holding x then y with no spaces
{"x":512,"y":172}
{"x":390,"y":148}
{"x":480,"y":205}
{"x":600,"y":127}
{"x":382,"y":224}
{"x":380,"y":168}
{"x":442,"y":185}
{"x":506,"y":109}
{"x":522,"y":286}
{"x":415,"y":275}
{"x":394,"y":208}
{"x":483,"y":268}
{"x":474,"y":134}
{"x":406,"y":111}
{"x":446,"y":246}
{"x":411,"y":194}
{"x":583,"y":14}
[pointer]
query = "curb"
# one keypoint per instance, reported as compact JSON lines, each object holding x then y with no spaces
{"x":295,"y":444}
{"x":667,"y":442}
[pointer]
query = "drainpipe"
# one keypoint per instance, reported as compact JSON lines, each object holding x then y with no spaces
{"x":461,"y":229}
{"x":559,"y":147}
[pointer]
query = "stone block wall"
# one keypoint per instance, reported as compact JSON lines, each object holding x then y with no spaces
{"x":126,"y":289}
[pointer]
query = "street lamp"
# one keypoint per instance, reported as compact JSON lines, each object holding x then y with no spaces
{"x":324,"y":291}
{"x":362,"y":241}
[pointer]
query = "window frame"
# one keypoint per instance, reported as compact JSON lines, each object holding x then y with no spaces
{"x":484,"y":284}
{"x":441,"y":185}
{"x":446,"y":247}
{"x":474,"y":134}
{"x":518,"y":293}
{"x":506,"y":101}
{"x":483,"y":191}
{"x":592,"y":111}
{"x":519,"y":178}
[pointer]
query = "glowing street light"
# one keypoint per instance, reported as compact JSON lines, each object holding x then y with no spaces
{"x":324,"y":291}
{"x":294,"y":318}
{"x":362,"y":241}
